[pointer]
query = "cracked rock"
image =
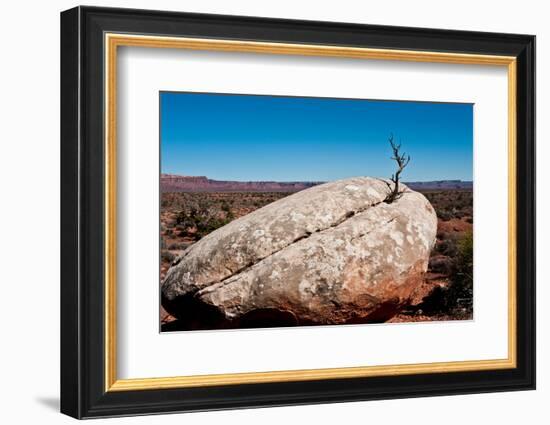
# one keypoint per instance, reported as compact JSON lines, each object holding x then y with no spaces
{"x":331,"y":254}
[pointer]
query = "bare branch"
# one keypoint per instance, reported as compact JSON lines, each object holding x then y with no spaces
{"x":402,"y":161}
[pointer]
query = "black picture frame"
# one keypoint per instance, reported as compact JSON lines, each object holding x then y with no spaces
{"x":83,"y":392}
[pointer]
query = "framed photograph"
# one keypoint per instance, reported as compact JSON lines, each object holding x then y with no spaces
{"x":261,"y":212}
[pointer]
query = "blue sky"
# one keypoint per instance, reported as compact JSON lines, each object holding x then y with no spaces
{"x":248,"y":138}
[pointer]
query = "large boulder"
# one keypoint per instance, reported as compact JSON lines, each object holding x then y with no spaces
{"x":334,"y":253}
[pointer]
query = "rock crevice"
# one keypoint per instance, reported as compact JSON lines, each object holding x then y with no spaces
{"x":217,"y":285}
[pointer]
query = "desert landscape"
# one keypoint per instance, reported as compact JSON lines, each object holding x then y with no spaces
{"x":193,"y":207}
{"x":284,"y":211}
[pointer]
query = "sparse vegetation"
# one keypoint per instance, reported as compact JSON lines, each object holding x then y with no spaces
{"x":452,"y":204}
{"x":455,"y":299}
{"x":462,"y":284}
{"x":167,"y":256}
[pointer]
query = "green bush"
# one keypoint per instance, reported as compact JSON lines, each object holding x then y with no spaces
{"x":457,"y":297}
{"x":462,"y":286}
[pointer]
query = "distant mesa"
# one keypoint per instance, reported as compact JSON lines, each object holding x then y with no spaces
{"x":181,"y":183}
{"x":177,"y":183}
{"x":441,"y":184}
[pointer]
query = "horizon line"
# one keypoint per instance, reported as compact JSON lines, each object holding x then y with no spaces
{"x":311,"y":181}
